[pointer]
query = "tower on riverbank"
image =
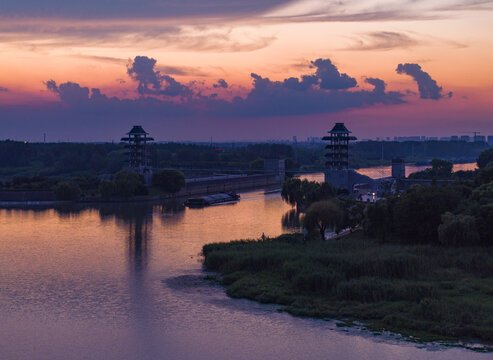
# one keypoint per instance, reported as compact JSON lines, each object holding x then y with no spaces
{"x":338,"y":147}
{"x":337,"y":170}
{"x":137,"y":141}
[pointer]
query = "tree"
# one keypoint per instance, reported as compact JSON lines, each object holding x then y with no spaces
{"x":171,"y":181}
{"x":458,"y":230}
{"x":107,"y":189}
{"x":378,"y":219}
{"x":126,"y":183}
{"x":485,"y":175}
{"x":67,"y":191}
{"x":323,"y":215}
{"x":302,"y":193}
{"x":482,"y":209}
{"x":418,"y":211}
{"x":485,"y":158}
{"x":353,"y":214}
{"x":291,"y":191}
{"x":442,"y":168}
{"x":257,"y":164}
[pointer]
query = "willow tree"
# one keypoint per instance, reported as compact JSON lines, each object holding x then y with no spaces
{"x":323,"y":215}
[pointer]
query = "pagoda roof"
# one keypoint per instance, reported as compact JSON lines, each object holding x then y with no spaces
{"x":137,"y":130}
{"x":339,"y":128}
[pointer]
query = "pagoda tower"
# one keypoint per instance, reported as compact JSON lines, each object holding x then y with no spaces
{"x":338,"y":147}
{"x":138,"y":155}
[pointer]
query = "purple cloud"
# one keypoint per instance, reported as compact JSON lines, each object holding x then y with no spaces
{"x":329,"y":76}
{"x":142,"y":69}
{"x":221,"y":83}
{"x":428,"y":88}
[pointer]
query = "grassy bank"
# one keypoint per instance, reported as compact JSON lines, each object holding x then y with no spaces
{"x":426,"y":292}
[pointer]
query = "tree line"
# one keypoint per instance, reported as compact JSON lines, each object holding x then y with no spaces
{"x":460,"y":213}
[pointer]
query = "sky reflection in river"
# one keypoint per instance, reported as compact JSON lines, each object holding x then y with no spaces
{"x":125,"y":282}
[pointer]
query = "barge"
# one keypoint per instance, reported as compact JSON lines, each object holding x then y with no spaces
{"x":207,"y":200}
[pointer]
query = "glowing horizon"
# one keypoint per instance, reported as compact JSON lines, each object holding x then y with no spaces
{"x":196,"y":46}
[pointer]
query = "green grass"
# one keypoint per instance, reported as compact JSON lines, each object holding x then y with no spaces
{"x":429,"y":293}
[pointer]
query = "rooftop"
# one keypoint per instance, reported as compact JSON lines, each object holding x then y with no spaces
{"x":339,"y":128}
{"x":137,"y":130}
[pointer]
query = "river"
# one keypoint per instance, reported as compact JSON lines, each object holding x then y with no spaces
{"x":126,"y":282}
{"x":376,"y":172}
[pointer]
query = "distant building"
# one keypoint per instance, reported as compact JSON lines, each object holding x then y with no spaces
{"x":312,"y":139}
{"x":398,"y":168}
{"x":465,"y":138}
{"x":490,"y":140}
{"x":479,"y":138}
{"x":409,"y":138}
{"x":445,"y":138}
{"x":454,"y":138}
{"x":433,"y":138}
{"x":138,"y":156}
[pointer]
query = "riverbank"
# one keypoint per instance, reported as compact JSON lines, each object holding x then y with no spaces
{"x":422,"y":292}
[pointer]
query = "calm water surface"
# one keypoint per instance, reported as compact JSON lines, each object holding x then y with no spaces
{"x":377,"y":172}
{"x":125,"y":282}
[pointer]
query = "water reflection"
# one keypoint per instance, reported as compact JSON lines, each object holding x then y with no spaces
{"x":136,"y":222}
{"x":291,"y":220}
{"x":171,"y":212}
{"x":91,"y":283}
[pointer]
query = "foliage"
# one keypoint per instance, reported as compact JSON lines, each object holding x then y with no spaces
{"x":440,"y":169}
{"x":257,"y":164}
{"x":35,"y":182}
{"x":426,"y":291}
{"x":485,"y":158}
{"x":417,"y":214}
{"x":485,"y":175}
{"x":323,"y":215}
{"x":171,"y":181}
{"x":302,"y":193}
{"x":378,"y":220}
{"x":354,"y":213}
{"x":458,"y":230}
{"x":67,"y":191}
{"x":127,"y":183}
{"x":415,"y":150}
{"x":107,"y":189}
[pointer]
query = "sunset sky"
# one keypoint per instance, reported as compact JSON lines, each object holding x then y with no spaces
{"x":244,"y":70}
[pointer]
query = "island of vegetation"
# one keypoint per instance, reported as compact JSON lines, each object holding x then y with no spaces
{"x":418,"y":263}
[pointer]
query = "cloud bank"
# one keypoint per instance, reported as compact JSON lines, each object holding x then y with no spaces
{"x":180,"y":107}
{"x":325,"y":90}
{"x":428,"y":88}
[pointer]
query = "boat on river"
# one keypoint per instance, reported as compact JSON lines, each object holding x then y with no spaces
{"x":207,"y":200}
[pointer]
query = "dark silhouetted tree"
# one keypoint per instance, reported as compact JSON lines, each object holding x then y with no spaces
{"x":323,"y":215}
{"x":171,"y":181}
